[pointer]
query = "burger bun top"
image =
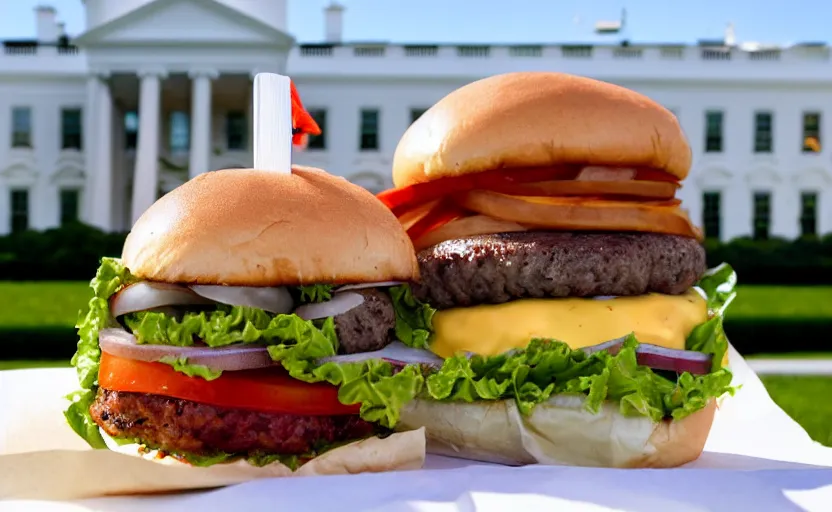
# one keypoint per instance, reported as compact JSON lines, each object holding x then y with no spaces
{"x":246,"y":227}
{"x":538,"y":119}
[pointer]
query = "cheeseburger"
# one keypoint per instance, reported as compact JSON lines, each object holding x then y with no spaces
{"x":226,"y":331}
{"x":562,"y":288}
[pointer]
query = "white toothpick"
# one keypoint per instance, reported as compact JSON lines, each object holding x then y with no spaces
{"x":272,"y":123}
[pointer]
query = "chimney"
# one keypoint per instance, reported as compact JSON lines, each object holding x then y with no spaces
{"x":334,"y":15}
{"x":47,"y":25}
{"x":730,"y":36}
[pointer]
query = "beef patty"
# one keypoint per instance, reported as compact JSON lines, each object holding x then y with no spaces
{"x":493,"y":269}
{"x":366,"y":327}
{"x":182,"y":426}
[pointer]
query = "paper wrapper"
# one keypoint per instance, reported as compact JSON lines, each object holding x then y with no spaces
{"x":42,"y":458}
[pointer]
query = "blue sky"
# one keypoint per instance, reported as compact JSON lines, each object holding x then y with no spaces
{"x":515,"y":21}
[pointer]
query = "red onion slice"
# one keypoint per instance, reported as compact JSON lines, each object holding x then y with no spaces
{"x":679,"y":361}
{"x":339,"y":304}
{"x":274,"y":300}
{"x":146,"y":295}
{"x":361,"y":286}
{"x":660,"y":358}
{"x":396,"y":352}
{"x":121,"y":343}
{"x":610,"y":346}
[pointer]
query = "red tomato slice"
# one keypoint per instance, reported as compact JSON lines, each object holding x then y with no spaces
{"x":267,"y":389}
{"x":438,"y":216}
{"x":401,"y":200}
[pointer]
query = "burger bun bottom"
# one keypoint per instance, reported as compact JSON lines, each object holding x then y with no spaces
{"x":558,"y":432}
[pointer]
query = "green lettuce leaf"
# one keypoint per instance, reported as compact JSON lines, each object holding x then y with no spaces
{"x":110,"y":276}
{"x":414,"y":319}
{"x":315,"y":293}
{"x":180,"y":364}
{"x":548,"y":367}
{"x":220,"y":327}
{"x":719,"y":285}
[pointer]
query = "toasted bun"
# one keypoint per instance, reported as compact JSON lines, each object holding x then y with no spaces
{"x":255,"y":228}
{"x":539,"y":119}
{"x":559,"y":432}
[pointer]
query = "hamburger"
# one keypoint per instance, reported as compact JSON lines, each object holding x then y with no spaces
{"x":563,"y":289}
{"x":217,"y":336}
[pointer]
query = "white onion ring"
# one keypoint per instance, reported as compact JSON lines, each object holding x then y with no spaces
{"x":121,"y":343}
{"x":146,"y":295}
{"x":339,"y":304}
{"x":274,"y":300}
{"x":396,"y":352}
{"x":361,"y":286}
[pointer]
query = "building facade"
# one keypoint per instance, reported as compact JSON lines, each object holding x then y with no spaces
{"x":157,"y":91}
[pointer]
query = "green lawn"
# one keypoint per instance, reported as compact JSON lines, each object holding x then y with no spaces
{"x":774,"y":302}
{"x":806,"y":399}
{"x":24,"y":304}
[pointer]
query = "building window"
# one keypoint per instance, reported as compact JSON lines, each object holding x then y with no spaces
{"x":763,"y":142}
{"x":762,"y":215}
{"x":236,"y":130}
{"x":713,"y":132}
{"x":318,"y":141}
{"x":70,"y":201}
{"x":712,"y":214}
{"x":20,"y":210}
{"x":808,"y":213}
{"x":416,"y":113}
{"x":71,"y":128}
{"x":131,"y":129}
{"x":180,"y":132}
{"x":369,"y":129}
{"x":811,"y":132}
{"x":21,"y":127}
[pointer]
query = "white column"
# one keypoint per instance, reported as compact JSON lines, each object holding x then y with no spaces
{"x":146,"y":175}
{"x":88,"y":140}
{"x":200,"y":121}
{"x":101,"y":205}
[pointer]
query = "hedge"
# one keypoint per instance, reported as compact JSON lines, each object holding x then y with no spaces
{"x":748,"y":336}
{"x":72,"y":253}
{"x":69,"y":253}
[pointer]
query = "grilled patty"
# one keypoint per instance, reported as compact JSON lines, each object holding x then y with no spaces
{"x":182,"y":426}
{"x":367,"y":327}
{"x":493,"y":269}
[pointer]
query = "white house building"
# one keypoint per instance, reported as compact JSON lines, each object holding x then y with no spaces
{"x":156,"y":91}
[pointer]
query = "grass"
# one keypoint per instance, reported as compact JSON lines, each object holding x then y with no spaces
{"x":40,"y":304}
{"x":776,"y":302}
{"x":806,"y":400}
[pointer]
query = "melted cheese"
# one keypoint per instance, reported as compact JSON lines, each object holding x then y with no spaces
{"x":664,"y":320}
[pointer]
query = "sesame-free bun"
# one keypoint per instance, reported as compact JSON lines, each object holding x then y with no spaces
{"x":558,"y":432}
{"x":538,"y":119}
{"x":245,"y":227}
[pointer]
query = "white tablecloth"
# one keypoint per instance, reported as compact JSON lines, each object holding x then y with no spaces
{"x":756,"y":458}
